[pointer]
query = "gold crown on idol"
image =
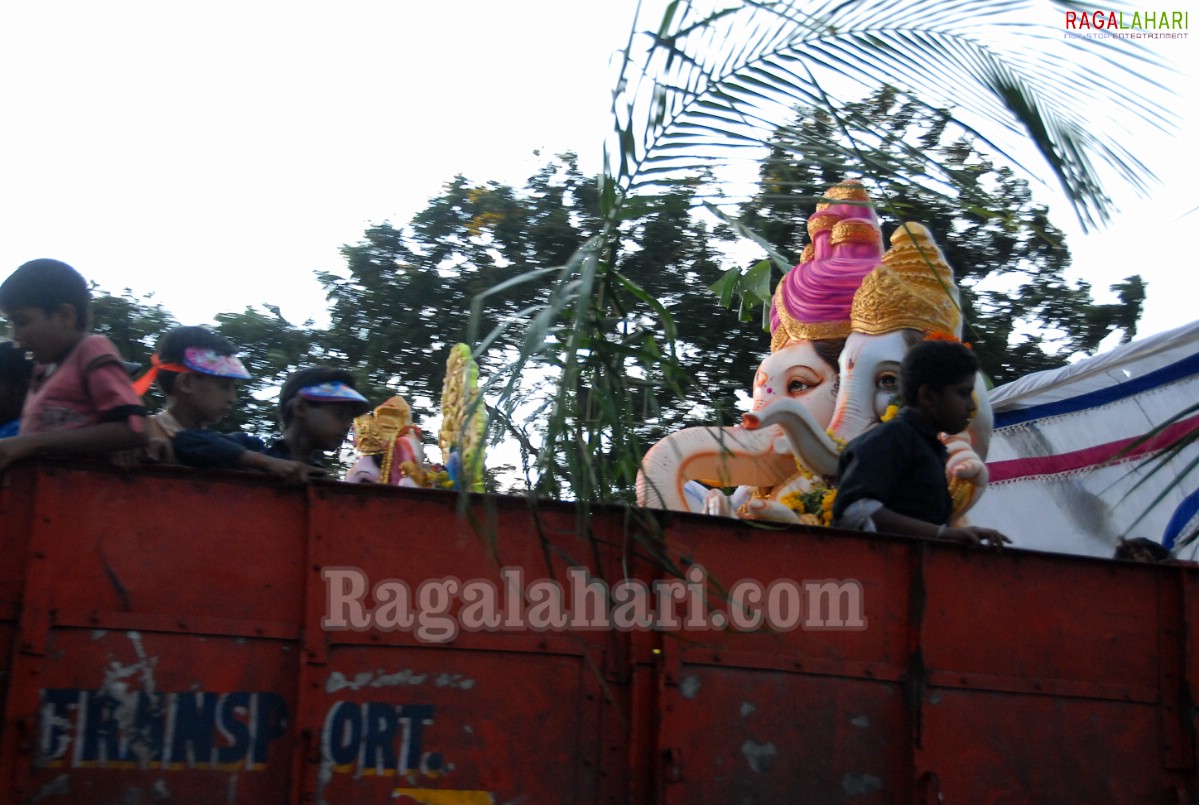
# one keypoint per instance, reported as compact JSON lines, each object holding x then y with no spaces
{"x":375,"y":432}
{"x":851,"y":190}
{"x":790,"y":329}
{"x":912,"y":289}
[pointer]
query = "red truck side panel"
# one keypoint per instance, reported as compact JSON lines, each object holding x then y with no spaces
{"x":163,"y":638}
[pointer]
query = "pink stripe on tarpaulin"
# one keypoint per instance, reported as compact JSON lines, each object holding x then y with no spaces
{"x":1089,"y":457}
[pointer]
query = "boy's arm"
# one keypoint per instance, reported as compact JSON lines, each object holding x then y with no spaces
{"x":93,"y":440}
{"x":895,"y":523}
{"x":291,"y":471}
{"x":206,"y":448}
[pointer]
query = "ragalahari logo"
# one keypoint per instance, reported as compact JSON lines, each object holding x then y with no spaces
{"x":1135,"y":24}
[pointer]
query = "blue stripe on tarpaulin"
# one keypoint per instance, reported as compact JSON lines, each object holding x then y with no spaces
{"x":1182,"y":515}
{"x":1159,"y":377}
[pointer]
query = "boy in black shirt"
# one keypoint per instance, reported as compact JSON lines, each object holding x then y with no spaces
{"x":892,"y":478}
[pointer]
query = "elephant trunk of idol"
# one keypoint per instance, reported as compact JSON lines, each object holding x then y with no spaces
{"x":809,"y":443}
{"x":856,"y":410}
{"x":717,"y":457}
{"x":762,"y":453}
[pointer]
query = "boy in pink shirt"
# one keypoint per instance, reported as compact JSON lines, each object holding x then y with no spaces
{"x":80,"y":400}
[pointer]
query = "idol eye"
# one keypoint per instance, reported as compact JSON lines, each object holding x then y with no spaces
{"x":802,"y":380}
{"x":797,"y":387}
{"x":888,"y":381}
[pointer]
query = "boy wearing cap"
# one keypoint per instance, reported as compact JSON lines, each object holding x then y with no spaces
{"x":197,"y":372}
{"x":316,"y":408}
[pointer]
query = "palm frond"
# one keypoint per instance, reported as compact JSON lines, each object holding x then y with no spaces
{"x":710,"y":82}
{"x":731,"y":75}
{"x":1164,"y":443}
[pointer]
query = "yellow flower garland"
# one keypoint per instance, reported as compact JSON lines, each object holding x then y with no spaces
{"x":802,"y":503}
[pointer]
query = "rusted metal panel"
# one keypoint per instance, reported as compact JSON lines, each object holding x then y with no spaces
{"x":514,"y":724}
{"x":746,"y":736}
{"x":166,"y":637}
{"x":514,"y":714}
{"x":860,"y":584}
{"x":145,"y":661}
{"x":1024,"y":620}
{"x":178,"y":545}
{"x":991,"y":747}
{"x":178,"y":717}
{"x":16,"y":492}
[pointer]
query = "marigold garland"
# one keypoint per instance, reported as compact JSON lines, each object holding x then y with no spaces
{"x":816,"y":504}
{"x":939,"y":335}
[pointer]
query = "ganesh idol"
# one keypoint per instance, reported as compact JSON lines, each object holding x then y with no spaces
{"x":841,"y":323}
{"x":911,"y":296}
{"x":797,"y":383}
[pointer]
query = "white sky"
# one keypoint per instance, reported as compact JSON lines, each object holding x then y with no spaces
{"x":217,"y":154}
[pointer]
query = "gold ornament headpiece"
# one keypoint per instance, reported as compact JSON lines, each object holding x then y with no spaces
{"x":912,"y":289}
{"x":855,"y":230}
{"x":850,"y":190}
{"x":821,"y":222}
{"x":789,"y":329}
{"x":376,"y":431}
{"x":464,"y":420}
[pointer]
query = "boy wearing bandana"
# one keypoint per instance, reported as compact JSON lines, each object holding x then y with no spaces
{"x":198,"y":372}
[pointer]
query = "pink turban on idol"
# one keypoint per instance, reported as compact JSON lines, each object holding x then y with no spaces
{"x":813,"y":301}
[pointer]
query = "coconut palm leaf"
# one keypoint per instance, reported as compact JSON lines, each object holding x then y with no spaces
{"x":731,"y":75}
{"x":1165,"y":448}
{"x":710,"y":84}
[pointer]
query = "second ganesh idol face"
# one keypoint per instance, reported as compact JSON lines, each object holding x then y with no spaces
{"x":797,"y":371}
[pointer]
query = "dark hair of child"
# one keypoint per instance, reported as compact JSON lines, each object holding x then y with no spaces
{"x":176,"y":341}
{"x":312,"y":376}
{"x":46,"y":284}
{"x":15,"y":365}
{"x":934,"y":363}
{"x":15,"y":371}
{"x":1141,"y":549}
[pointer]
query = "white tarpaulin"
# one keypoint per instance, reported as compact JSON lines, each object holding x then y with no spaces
{"x":1055,"y":482}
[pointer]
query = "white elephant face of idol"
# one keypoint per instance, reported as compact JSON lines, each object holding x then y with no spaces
{"x":797,"y":371}
{"x":364,"y":471}
{"x":870,"y":374}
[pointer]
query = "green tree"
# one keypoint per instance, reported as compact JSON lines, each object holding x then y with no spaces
{"x":271,"y":348}
{"x":1009,"y":259}
{"x":704,"y":80}
{"x":133,"y":323}
{"x":404,"y":296}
